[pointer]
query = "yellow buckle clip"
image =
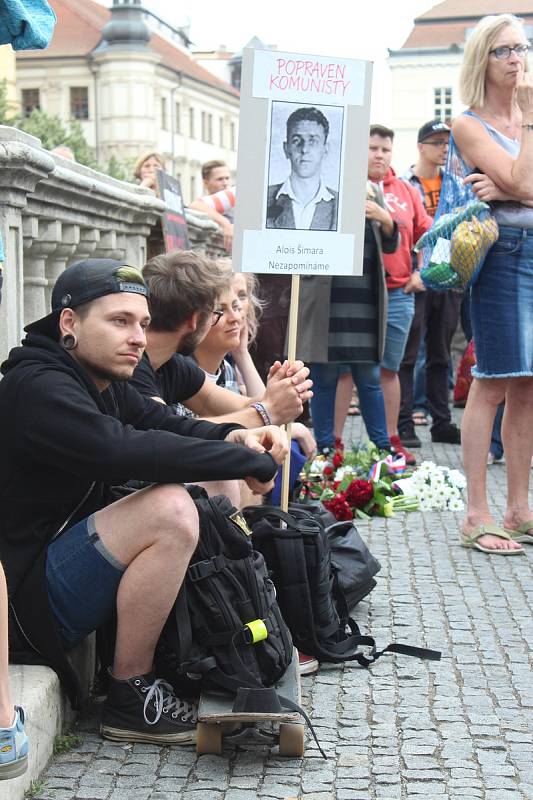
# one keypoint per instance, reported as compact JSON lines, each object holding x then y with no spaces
{"x":258,"y":629}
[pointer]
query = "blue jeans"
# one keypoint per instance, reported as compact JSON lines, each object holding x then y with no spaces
{"x":400,"y":313}
{"x":83,"y":579}
{"x":367,"y":380}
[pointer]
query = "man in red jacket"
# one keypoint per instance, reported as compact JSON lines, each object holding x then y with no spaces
{"x":407,"y":210}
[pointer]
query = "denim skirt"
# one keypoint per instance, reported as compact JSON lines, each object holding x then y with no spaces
{"x":502,"y":307}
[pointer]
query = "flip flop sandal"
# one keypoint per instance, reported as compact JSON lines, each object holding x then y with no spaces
{"x":419,"y":418}
{"x":471,"y":540}
{"x":521,"y":534}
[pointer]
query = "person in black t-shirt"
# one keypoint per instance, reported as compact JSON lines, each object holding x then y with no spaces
{"x":183,"y":292}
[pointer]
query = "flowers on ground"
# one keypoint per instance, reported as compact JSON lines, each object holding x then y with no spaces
{"x":364,"y":482}
{"x":356,"y":483}
{"x":437,"y":488}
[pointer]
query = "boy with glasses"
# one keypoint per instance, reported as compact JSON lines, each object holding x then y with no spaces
{"x":436,"y":313}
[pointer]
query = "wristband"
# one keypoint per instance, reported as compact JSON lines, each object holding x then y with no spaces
{"x":263,"y":413}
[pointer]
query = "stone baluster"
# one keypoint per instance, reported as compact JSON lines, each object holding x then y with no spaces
{"x":108,"y":246}
{"x":69,"y":237}
{"x":89,"y":239}
{"x":40,"y":240}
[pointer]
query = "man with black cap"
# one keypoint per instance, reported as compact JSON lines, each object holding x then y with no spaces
{"x":436,"y":313}
{"x":71,"y":426}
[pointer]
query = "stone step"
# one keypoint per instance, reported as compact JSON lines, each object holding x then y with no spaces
{"x":48,"y":712}
{"x":37,"y":690}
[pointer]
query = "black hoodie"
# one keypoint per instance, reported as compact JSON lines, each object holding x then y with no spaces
{"x":62,"y":444}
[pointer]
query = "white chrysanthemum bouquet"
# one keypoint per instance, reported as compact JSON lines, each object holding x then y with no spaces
{"x":437,"y":488}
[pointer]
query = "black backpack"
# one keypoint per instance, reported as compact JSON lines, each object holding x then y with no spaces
{"x":297,"y":551}
{"x":352,"y":563}
{"x":225,"y":629}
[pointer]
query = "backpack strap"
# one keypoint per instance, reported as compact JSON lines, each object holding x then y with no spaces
{"x":182,"y":629}
{"x":240,"y":677}
{"x":294,"y":578}
{"x":255,"y":513}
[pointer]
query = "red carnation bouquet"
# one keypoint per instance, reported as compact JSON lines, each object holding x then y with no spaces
{"x":358,"y":482}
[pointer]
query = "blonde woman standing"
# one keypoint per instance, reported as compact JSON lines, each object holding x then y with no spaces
{"x":495,"y":137}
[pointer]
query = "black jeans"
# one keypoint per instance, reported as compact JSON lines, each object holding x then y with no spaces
{"x":438,"y":314}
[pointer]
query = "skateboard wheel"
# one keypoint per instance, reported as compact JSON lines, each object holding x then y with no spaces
{"x":291,"y":739}
{"x":208,"y":739}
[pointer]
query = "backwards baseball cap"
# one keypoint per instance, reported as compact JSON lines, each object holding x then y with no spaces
{"x":85,"y":281}
{"x":435,"y":126}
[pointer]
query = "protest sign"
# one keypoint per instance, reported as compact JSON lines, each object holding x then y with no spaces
{"x":174,"y":224}
{"x":303,"y":145}
{"x":302,"y":166}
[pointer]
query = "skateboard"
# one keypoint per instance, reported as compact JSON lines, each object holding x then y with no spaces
{"x":217,"y":722}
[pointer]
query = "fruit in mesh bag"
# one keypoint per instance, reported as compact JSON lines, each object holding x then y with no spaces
{"x":470,"y":243}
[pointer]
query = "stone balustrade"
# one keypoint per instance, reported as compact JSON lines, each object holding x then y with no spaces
{"x":54,"y":212}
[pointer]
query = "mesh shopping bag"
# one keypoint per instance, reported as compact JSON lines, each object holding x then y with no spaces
{"x":463,"y":231}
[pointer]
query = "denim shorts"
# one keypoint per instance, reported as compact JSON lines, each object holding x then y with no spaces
{"x":83,"y":579}
{"x":502,"y":307}
{"x":400,"y":313}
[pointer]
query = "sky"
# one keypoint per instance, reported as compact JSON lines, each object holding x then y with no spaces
{"x":347,"y":29}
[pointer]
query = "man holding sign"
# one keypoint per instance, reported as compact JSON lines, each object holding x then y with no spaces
{"x":303,"y":201}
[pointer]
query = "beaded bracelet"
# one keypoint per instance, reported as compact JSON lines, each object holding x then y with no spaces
{"x":528,"y":125}
{"x":263,"y":413}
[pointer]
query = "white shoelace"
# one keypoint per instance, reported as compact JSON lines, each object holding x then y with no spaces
{"x":165,"y":700}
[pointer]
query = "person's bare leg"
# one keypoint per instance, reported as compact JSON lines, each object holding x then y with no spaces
{"x":231,"y":489}
{"x":154,"y":532}
{"x":7,"y":709}
{"x":483,"y":399}
{"x":249,"y":498}
{"x":517,"y":437}
{"x":343,"y":398}
{"x":390,"y":385}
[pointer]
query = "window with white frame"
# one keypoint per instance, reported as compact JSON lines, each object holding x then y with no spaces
{"x":442,"y":103}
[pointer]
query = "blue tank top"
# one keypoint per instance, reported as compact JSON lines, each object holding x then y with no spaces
{"x":509,"y":212}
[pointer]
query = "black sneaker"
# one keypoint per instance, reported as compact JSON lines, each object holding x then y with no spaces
{"x":448,"y":434}
{"x":145,"y":709}
{"x":408,"y":437}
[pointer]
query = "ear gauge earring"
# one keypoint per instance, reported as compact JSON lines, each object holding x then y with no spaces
{"x":69,"y":341}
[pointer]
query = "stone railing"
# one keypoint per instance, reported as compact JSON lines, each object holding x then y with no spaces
{"x":54,"y":212}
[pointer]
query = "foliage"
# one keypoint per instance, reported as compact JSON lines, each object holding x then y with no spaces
{"x":121,"y":170}
{"x":34,"y":789}
{"x":360,"y":482}
{"x":51,"y":131}
{"x":65,"y":742}
{"x":4,"y":105}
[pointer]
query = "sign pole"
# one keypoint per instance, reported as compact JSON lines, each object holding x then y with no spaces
{"x":291,"y":354}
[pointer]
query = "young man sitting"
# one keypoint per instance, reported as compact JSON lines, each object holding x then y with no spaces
{"x":71,"y":425}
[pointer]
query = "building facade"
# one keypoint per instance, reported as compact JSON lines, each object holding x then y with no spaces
{"x":425,"y":70}
{"x":130,"y":80}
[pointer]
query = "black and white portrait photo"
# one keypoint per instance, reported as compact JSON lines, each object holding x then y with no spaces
{"x":304,"y":166}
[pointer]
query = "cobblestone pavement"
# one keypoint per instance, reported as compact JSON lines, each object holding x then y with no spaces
{"x":458,"y":729}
